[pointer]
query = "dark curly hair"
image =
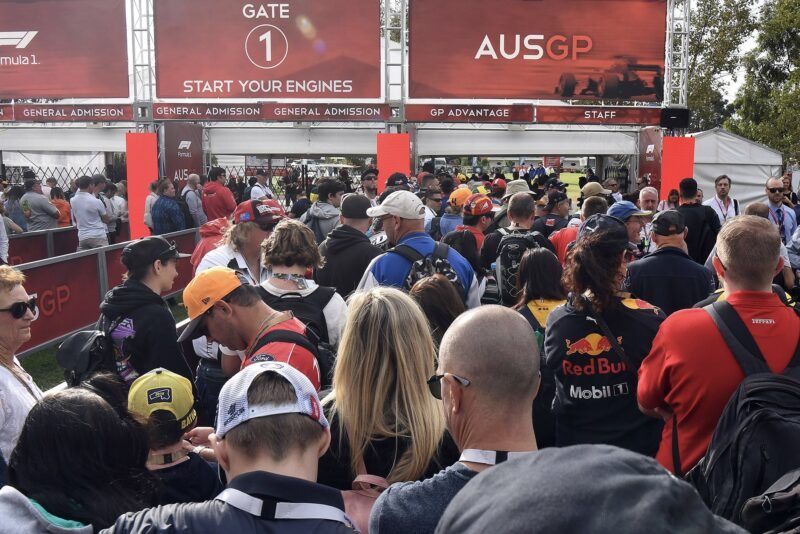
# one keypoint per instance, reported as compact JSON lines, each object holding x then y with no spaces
{"x":592,"y":266}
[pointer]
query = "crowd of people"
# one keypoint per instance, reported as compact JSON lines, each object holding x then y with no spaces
{"x":453,"y":355}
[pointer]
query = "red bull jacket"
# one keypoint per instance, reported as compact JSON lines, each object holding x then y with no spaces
{"x":595,"y":399}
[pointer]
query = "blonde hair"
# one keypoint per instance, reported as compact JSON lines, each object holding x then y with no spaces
{"x":291,"y":243}
{"x":749,"y":247}
{"x":385,"y":357}
{"x":237,"y":235}
{"x":10,"y":278}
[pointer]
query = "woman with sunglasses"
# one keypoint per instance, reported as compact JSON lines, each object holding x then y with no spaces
{"x":381,"y":410}
{"x":595,"y":343}
{"x":18,"y":392}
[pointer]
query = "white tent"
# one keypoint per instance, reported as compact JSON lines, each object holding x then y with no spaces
{"x":747,"y":163}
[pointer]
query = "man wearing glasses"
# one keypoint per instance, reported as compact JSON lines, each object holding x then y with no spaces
{"x":135,"y":315}
{"x":19,"y":392}
{"x":780,"y":215}
{"x":488,"y":365}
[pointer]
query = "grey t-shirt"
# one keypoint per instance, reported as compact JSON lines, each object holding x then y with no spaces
{"x":44,"y":216}
{"x":87,"y":212}
{"x":417,"y":506}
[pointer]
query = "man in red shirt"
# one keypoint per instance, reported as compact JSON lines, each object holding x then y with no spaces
{"x":477,"y":213}
{"x":218,"y":200}
{"x":690,"y":373}
{"x":225,"y":308}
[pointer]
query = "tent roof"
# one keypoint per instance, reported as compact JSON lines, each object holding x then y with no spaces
{"x":721,"y":146}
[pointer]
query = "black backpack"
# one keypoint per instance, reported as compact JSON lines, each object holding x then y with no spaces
{"x":777,"y":510}
{"x":757,"y":435}
{"x":187,"y":215}
{"x":424,"y":266}
{"x":86,"y":353}
{"x":512,"y":247}
{"x":308,"y":309}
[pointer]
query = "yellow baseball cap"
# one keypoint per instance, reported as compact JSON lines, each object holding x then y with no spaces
{"x":459,"y":197}
{"x":206,"y":289}
{"x":163,"y":390}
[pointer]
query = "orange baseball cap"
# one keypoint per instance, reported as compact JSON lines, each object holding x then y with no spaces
{"x":459,"y":197}
{"x":205,"y":290}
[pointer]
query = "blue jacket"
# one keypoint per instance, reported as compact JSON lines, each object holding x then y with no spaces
{"x":449,"y":222}
{"x":167,"y":216}
{"x":391,"y":269}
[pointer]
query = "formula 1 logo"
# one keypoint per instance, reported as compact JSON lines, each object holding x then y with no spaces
{"x":185,"y":145}
{"x":17,"y":39}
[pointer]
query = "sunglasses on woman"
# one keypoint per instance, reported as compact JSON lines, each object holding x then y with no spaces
{"x":18,"y":309}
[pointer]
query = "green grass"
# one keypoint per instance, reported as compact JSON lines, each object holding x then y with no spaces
{"x":45,"y":371}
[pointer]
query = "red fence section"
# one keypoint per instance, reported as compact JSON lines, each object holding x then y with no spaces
{"x":70,"y":288}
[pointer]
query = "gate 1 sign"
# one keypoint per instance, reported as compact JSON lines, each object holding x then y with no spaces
{"x":299,"y":50}
{"x":63,"y":49}
{"x":183,"y":151}
{"x":547,"y":49}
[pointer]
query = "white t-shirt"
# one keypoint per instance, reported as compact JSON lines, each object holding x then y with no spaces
{"x":259,"y":191}
{"x":87,"y":211}
{"x":15,"y":403}
{"x":222,"y":256}
{"x":719,"y":208}
{"x":335,"y":312}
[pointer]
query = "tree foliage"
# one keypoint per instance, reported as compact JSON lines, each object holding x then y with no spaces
{"x":767,"y":107}
{"x":719,"y":28}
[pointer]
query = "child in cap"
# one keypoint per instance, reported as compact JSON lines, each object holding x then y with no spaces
{"x":164,"y":403}
{"x":270,"y":434}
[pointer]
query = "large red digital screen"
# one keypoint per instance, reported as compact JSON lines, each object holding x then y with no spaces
{"x":296,"y":49}
{"x":543,"y":49}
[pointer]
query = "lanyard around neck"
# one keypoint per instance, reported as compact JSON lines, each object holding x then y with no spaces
{"x":281,"y":510}
{"x":478,"y":456}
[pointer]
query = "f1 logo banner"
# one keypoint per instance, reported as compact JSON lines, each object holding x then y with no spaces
{"x":183,"y":150}
{"x":547,"y":49}
{"x":298,"y":49}
{"x":63,"y":49}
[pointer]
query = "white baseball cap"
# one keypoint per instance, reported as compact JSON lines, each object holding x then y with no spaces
{"x":403,"y":204}
{"x":233,"y":408}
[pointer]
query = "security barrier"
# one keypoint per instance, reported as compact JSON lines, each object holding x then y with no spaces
{"x":42,"y":244}
{"x":69,"y":288}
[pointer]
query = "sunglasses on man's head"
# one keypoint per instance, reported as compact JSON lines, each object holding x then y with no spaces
{"x":18,"y":309}
{"x":435,"y":384}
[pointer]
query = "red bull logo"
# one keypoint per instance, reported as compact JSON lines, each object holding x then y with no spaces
{"x":593,"y":345}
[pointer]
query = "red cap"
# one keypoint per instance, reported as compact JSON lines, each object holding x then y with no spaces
{"x":478,"y":204}
{"x":499,"y":184}
{"x":265,"y":211}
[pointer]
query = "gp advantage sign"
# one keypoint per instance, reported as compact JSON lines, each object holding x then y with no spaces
{"x":544,"y":49}
{"x":63,"y":49}
{"x":297,"y":49}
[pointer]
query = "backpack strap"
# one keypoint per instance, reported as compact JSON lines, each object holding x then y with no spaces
{"x":409,"y":253}
{"x":526,"y":312}
{"x":286,"y":336}
{"x":321,"y":296}
{"x":440,"y":251}
{"x":735,"y":207}
{"x":738,"y":338}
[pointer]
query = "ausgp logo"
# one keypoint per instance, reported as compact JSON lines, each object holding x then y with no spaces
{"x":17,"y":39}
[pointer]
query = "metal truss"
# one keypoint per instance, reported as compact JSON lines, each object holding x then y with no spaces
{"x":676,"y":65}
{"x":143,"y":63}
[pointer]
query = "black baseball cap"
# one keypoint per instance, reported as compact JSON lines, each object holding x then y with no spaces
{"x":555,"y":183}
{"x":614,"y":230}
{"x":669,"y":222}
{"x":554,"y":198}
{"x":397,"y":179}
{"x":149,"y":249}
{"x":355,"y":206}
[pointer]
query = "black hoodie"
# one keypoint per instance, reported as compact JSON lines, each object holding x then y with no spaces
{"x":147,"y":333}
{"x":347,"y":254}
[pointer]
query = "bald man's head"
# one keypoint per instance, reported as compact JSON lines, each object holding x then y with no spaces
{"x":496,"y":349}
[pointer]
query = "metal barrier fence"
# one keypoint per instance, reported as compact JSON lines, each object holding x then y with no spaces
{"x":63,"y":175}
{"x":70,"y":288}
{"x":42,"y":244}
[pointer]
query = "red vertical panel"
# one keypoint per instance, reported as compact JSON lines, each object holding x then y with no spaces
{"x":142,"y":158}
{"x":394,"y":155}
{"x":677,"y":162}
